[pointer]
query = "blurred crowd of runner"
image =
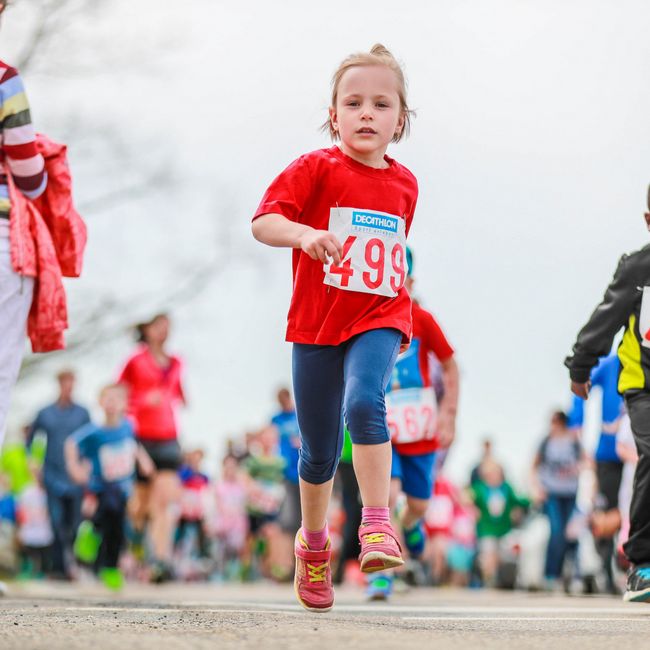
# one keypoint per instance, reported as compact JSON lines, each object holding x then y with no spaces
{"x":123,"y":501}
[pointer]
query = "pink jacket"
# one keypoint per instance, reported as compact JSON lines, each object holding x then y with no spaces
{"x":33,"y":254}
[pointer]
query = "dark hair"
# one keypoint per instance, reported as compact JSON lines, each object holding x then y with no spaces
{"x":561,"y":417}
{"x":140,"y":328}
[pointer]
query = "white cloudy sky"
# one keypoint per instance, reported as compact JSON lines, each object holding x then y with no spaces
{"x":531,"y":146}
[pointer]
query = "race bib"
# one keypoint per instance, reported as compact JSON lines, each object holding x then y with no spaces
{"x":644,"y":318}
{"x":267,"y":498}
{"x":374,"y":252}
{"x":193,"y":503}
{"x":412,"y":414}
{"x":117,"y":461}
{"x":440,"y":512}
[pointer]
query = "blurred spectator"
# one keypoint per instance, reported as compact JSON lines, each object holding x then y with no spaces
{"x":439,"y":523}
{"x":627,"y":452}
{"x":462,"y":547}
{"x":34,"y":532}
{"x":57,"y":422}
{"x":486,"y":455}
{"x":499,"y":507}
{"x":290,"y":519}
{"x":230,"y":523}
{"x":103,"y":458}
{"x":556,"y":470}
{"x":286,"y":423}
{"x":153,"y":378}
{"x":266,"y":492}
{"x":351,"y":501}
{"x":195,"y":488}
{"x":609,"y":467}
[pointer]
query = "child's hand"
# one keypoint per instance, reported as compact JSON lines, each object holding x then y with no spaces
{"x":581,"y":390}
{"x":446,"y":429}
{"x":89,"y":506}
{"x":539,"y":495}
{"x":318,"y":244}
{"x":145,"y":464}
{"x":82,"y":472}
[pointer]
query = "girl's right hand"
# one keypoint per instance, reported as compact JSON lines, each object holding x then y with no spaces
{"x":318,"y":244}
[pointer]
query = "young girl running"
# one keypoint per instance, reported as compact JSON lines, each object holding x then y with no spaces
{"x":346,"y":212}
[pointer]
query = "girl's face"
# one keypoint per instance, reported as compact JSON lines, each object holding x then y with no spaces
{"x":230,"y":468}
{"x":368,"y":112}
{"x":157,"y":331}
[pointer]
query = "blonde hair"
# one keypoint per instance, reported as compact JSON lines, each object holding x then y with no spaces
{"x":109,"y":387}
{"x":378,"y":55}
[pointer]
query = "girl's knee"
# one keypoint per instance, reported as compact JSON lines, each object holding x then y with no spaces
{"x":317,"y":471}
{"x":364,"y":414}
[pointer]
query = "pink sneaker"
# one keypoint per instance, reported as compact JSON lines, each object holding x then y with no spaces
{"x":380,"y":548}
{"x":313,"y":577}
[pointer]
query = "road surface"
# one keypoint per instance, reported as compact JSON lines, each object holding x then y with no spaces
{"x":265,"y":617}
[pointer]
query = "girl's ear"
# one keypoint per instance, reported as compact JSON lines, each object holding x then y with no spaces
{"x":400,"y":125}
{"x":334,"y":124}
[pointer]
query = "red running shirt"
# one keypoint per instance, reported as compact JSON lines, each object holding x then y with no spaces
{"x":432,"y":341}
{"x":153,"y":417}
{"x":305,"y":192}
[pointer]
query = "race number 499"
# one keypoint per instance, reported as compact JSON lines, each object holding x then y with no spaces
{"x":374,"y":252}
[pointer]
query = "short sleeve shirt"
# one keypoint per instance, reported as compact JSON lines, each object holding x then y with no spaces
{"x":412,"y":368}
{"x":286,"y":423}
{"x":143,"y":376}
{"x":112,"y":454}
{"x":305,"y":192}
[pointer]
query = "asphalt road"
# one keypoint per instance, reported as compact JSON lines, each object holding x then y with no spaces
{"x":261,"y":617}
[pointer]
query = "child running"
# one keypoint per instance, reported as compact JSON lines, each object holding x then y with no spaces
{"x":419,"y":425}
{"x":626,"y":304}
{"x":104,"y":459}
{"x":346,"y":212}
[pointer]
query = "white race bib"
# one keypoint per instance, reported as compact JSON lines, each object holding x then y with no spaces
{"x":412,"y":414}
{"x":440,"y":512}
{"x":117,"y":461}
{"x":644,"y":318}
{"x":374,"y":252}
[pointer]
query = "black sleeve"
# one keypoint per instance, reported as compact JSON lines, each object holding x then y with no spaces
{"x":595,"y":338}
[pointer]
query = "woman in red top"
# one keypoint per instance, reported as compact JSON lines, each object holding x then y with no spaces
{"x":153,"y":378}
{"x":346,"y":212}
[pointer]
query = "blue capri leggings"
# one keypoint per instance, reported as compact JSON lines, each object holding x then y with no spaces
{"x":337,"y":382}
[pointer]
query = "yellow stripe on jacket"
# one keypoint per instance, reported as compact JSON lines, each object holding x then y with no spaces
{"x":629,"y":353}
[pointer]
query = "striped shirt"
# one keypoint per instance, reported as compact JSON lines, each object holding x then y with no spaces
{"x":17,"y":141}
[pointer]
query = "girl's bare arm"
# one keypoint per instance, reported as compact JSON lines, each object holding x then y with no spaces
{"x":276,"y":230}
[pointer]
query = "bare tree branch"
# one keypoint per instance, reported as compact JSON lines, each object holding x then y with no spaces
{"x":46,"y":24}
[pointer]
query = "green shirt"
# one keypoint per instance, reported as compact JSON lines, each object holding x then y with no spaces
{"x":495,"y":506}
{"x":346,"y":453}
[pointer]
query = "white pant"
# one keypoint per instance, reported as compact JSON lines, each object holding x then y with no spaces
{"x":15,"y":300}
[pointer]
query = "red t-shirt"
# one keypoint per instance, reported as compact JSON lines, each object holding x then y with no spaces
{"x":305,"y":192}
{"x":432,"y":341}
{"x":144,"y":377}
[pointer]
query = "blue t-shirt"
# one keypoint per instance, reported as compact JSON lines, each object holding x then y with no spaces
{"x":605,"y":375}
{"x":111,"y":452}
{"x":407,"y":372}
{"x":57,"y":423}
{"x":286,"y":423}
